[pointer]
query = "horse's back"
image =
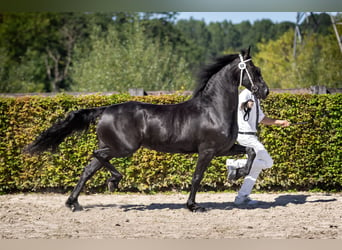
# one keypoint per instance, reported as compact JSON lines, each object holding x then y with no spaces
{"x":168,"y":128}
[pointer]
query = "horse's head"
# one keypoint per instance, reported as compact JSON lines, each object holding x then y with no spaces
{"x":250,"y":75}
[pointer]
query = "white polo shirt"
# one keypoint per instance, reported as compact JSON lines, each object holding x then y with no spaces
{"x":249,"y":125}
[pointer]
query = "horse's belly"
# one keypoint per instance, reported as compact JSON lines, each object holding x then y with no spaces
{"x":172,"y":147}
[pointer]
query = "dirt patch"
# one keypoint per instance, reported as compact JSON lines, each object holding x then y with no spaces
{"x":164,"y":216}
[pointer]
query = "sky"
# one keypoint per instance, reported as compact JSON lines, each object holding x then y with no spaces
{"x":238,"y":17}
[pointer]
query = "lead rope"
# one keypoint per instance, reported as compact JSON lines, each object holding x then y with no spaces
{"x":257,"y":113}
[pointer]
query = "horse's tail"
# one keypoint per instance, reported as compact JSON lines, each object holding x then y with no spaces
{"x":53,"y":136}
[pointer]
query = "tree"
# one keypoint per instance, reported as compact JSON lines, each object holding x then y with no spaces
{"x":244,"y":28}
{"x":21,"y":57}
{"x":316,"y":23}
{"x":275,"y":60}
{"x":39,"y":48}
{"x":318,"y":61}
{"x":197,"y":41}
{"x":224,"y":35}
{"x":119,"y":61}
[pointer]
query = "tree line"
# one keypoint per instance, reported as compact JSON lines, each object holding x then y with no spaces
{"x":53,"y":52}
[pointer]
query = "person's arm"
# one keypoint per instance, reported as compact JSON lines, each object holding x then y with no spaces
{"x":271,"y":121}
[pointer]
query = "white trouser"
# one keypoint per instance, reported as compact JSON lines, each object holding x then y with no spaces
{"x":262,"y":161}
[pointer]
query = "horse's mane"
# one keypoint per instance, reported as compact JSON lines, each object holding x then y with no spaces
{"x":209,"y":70}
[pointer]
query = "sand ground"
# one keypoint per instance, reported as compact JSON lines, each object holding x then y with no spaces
{"x":164,"y":216}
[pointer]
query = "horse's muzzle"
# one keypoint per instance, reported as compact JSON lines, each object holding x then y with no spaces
{"x":260,"y":93}
{"x":266,"y":92}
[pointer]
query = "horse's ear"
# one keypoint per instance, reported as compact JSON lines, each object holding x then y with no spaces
{"x":246,"y":53}
{"x":243,"y":53}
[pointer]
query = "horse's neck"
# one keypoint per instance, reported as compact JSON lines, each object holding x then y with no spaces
{"x":222,"y":90}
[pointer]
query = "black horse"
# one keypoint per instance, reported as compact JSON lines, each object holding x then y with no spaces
{"x":205,"y":124}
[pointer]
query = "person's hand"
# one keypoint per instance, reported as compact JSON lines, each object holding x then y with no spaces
{"x":250,"y":104}
{"x":284,"y":123}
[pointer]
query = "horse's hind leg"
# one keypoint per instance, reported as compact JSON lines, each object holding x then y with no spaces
{"x":103,"y":155}
{"x":88,"y":172}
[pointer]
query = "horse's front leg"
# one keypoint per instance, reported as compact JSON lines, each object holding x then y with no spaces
{"x":250,"y":159}
{"x":239,"y":149}
{"x":203,"y":161}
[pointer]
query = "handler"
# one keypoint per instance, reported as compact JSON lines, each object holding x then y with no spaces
{"x":249,"y":116}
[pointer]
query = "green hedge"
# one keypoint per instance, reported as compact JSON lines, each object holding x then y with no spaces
{"x":306,"y":157}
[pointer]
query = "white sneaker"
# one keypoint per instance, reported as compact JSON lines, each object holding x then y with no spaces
{"x":232,"y":166}
{"x":245,"y":200}
{"x":239,"y":163}
{"x":232,"y":169}
{"x":230,"y":162}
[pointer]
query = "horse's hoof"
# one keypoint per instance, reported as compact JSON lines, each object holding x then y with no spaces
{"x":200,"y":210}
{"x":74,"y":206}
{"x":196,"y":208}
{"x":240,"y":173}
{"x":112,"y":185}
